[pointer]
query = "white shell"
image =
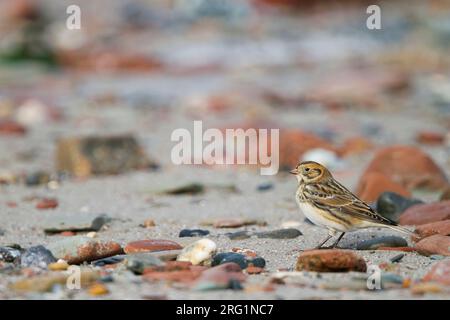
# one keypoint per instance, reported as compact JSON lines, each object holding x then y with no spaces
{"x":198,"y":251}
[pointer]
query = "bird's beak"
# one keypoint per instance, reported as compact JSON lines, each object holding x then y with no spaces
{"x":294,"y":171}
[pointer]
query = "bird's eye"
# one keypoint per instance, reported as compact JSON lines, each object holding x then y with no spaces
{"x":307,"y":169}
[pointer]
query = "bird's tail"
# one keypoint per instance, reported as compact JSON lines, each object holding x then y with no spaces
{"x":401,"y":229}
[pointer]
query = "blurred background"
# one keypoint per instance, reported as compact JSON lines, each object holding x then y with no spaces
{"x":144,"y":68}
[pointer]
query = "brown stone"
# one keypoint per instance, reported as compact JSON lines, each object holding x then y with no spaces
{"x":404,"y":249}
{"x":428,"y":137}
{"x":186,"y":276}
{"x":426,"y":213}
{"x":374,"y":184}
{"x":222,"y":274}
{"x":294,"y":143}
{"x":429,"y":229}
{"x":11,"y":128}
{"x":151,"y":245}
{"x":100,"y":155}
{"x":440,"y":272}
{"x":355,"y":145}
{"x":254,"y":270}
{"x":330,"y":260}
{"x":47,"y":203}
{"x":436,"y":244}
{"x":407,"y":166}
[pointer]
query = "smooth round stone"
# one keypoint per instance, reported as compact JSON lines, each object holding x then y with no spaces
{"x":198,"y":252}
{"x":391,"y":205}
{"x":37,"y":256}
{"x":225,"y":257}
{"x":288,"y":233}
{"x":151,"y":245}
{"x":193,"y":233}
{"x":387,"y":241}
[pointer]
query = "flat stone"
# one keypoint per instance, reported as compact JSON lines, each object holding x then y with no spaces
{"x":151,"y":245}
{"x":240,"y":259}
{"x":436,"y":244}
{"x":386,"y":241}
{"x":46,"y":203}
{"x":79,"y":249}
{"x":330,"y":260}
{"x":426,"y":213}
{"x":288,"y":233}
{"x":167,"y":255}
{"x":139,"y":261}
{"x":429,"y":229}
{"x":193,"y":233}
{"x":37,"y":256}
{"x":76,"y":223}
{"x":239,"y":235}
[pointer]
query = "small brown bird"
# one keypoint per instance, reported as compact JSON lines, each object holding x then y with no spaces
{"x":328,"y":204}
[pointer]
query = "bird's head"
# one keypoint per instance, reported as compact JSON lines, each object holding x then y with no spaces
{"x":310,"y":172}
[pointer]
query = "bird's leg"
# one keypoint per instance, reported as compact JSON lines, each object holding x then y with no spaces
{"x":337,"y":241}
{"x":324,"y":241}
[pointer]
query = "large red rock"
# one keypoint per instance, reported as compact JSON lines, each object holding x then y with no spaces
{"x":408,"y":166}
{"x":437,"y":244}
{"x":429,"y":229}
{"x":151,"y":245}
{"x":330,"y":260}
{"x":294,"y":143}
{"x":355,"y":145}
{"x":440,"y":272}
{"x":374,"y":184}
{"x":426,"y":213}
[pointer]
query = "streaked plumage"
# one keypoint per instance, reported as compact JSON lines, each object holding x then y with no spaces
{"x":328,"y":204}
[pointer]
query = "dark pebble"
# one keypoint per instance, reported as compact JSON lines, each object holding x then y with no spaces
{"x":391,"y":205}
{"x":193,"y":233}
{"x":37,"y":178}
{"x":288,"y":233}
{"x":9,"y":254}
{"x":108,"y":260}
{"x":238,"y":235}
{"x":225,"y":257}
{"x":387,"y":241}
{"x":37,"y":256}
{"x":258,"y":262}
{"x":265,"y":186}
{"x":397,"y":258}
{"x":235,"y":285}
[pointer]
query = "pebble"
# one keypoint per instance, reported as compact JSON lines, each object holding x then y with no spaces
{"x":79,"y":249}
{"x":373,"y":184}
{"x":75,"y":223}
{"x":385,"y":241}
{"x":254,"y":270}
{"x":238,"y":258}
{"x":108,"y":260}
{"x":426,"y":213}
{"x":265,"y":186}
{"x":167,"y":255}
{"x":330,"y":260}
{"x":391,"y":205}
{"x":436,"y":244}
{"x":224,"y":276}
{"x":9,"y":254}
{"x":37,"y":256}
{"x":149,"y":223}
{"x":151,"y":245}
{"x":235,"y":223}
{"x":198,"y":252}
{"x":429,"y":229}
{"x":191,"y":188}
{"x":193,"y":233}
{"x":239,"y":235}
{"x":98,"y":289}
{"x":139,"y":261}
{"x":37,"y":178}
{"x":287,"y":233}
{"x":439,"y":272}
{"x":397,"y":258}
{"x":423,"y":288}
{"x":47,"y":203}
{"x":60,"y":265}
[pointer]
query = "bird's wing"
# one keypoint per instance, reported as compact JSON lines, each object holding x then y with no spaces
{"x":337,"y":199}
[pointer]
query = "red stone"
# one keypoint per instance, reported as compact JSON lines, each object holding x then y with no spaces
{"x":11,"y":128}
{"x":294,"y":143}
{"x":151,"y":245}
{"x":407,"y":166}
{"x":67,"y":234}
{"x":222,"y":274}
{"x":429,"y":229}
{"x":437,"y":244}
{"x":428,"y":137}
{"x":330,"y":260}
{"x":374,"y":184}
{"x":185,"y":276}
{"x":404,"y":249}
{"x":254,"y":270}
{"x":355,"y":145}
{"x":47,"y":203}
{"x":426,"y":213}
{"x":440,"y":272}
